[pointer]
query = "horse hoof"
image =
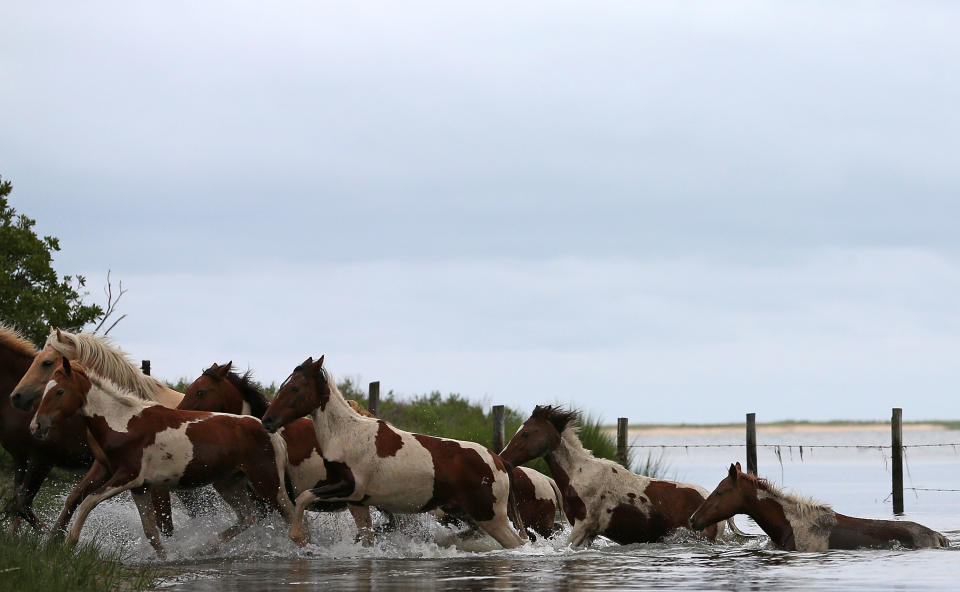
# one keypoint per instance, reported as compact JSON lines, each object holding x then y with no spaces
{"x":299,"y":540}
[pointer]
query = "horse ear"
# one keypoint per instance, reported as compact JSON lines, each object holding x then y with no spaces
{"x":734,"y":471}
{"x":61,"y":338}
{"x":222,"y":371}
{"x":307,"y":363}
{"x":320,"y":362}
{"x":739,"y":468}
{"x":66,"y":366}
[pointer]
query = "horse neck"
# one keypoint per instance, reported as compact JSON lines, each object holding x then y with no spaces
{"x":769,"y":512}
{"x":568,"y":454}
{"x":337,"y":416}
{"x":113,"y":407}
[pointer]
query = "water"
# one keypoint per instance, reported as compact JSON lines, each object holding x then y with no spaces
{"x":855,"y":482}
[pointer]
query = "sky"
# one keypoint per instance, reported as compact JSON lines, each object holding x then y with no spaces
{"x":671,"y":212}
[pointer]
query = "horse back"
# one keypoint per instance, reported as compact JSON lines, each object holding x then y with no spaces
{"x":854,"y":533}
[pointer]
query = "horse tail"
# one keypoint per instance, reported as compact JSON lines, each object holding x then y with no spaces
{"x":944,"y":542}
{"x":558,"y":500}
{"x":513,"y":510}
{"x":280,"y":458}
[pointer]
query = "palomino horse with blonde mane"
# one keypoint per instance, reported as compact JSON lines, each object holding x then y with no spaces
{"x":797,"y":524}
{"x":222,"y":390}
{"x":146,"y":444}
{"x":98,"y":354}
{"x":600,"y":497}
{"x":369,"y":462}
{"x":32,"y":459}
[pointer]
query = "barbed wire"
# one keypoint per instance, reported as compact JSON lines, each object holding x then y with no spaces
{"x":800,"y":446}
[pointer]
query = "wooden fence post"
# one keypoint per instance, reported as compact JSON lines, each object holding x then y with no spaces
{"x":622,"y":424}
{"x":145,"y":367}
{"x":752,"y":443}
{"x":498,"y":428}
{"x":896,"y":455}
{"x":373,"y":400}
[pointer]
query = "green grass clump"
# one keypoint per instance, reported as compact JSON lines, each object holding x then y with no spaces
{"x":29,"y":563}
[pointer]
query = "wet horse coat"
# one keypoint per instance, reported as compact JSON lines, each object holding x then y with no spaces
{"x":146,"y":444}
{"x":600,"y":497}
{"x":372,"y":463}
{"x":220,"y":389}
{"x":797,"y":524}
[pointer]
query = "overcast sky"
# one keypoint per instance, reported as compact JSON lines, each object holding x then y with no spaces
{"x":667,"y":211}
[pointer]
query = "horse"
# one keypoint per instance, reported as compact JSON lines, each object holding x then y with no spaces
{"x":145,"y":444}
{"x":797,"y":524}
{"x":370,"y":462}
{"x":101,"y":356}
{"x":600,"y":497}
{"x":220,"y":389}
{"x":32,"y":460}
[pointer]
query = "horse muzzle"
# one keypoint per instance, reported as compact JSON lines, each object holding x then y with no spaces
{"x":40,"y":428}
{"x":271,"y":424}
{"x":695,"y":524}
{"x":21,"y":402}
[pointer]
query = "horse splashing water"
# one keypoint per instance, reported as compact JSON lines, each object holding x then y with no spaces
{"x":369,"y":462}
{"x":102,"y":357}
{"x":797,"y":524}
{"x":146,"y":444}
{"x":220,"y":389}
{"x":600,"y":497}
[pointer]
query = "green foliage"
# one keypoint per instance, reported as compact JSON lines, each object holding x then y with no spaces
{"x":32,"y":296}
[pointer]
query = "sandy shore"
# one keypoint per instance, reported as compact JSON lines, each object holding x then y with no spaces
{"x":799,"y":428}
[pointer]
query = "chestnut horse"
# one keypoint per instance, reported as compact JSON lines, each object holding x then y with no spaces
{"x":32,"y":459}
{"x":222,"y":390}
{"x":796,"y":524}
{"x":98,"y":354}
{"x":600,"y":497}
{"x":146,"y":444}
{"x":372,"y":463}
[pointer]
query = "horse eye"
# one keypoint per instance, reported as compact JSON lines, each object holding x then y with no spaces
{"x":525,"y":435}
{"x":47,"y":363}
{"x":296,"y":389}
{"x":59,"y":392}
{"x":201,"y":393}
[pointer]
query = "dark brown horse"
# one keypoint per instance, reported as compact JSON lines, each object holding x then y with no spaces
{"x":600,"y":497}
{"x":796,"y":524}
{"x":32,"y":460}
{"x":219,"y":389}
{"x":145,"y":445}
{"x":370,"y":462}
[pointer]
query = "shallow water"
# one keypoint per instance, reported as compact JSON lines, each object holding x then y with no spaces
{"x":856,"y":482}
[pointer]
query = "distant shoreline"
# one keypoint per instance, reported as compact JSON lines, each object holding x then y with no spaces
{"x":787,"y":427}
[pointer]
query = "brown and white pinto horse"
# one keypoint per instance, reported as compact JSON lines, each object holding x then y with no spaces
{"x":146,"y":444}
{"x":372,"y":463}
{"x":796,"y":524}
{"x":600,"y":497}
{"x":102,"y":357}
{"x":32,"y":459}
{"x":220,"y":389}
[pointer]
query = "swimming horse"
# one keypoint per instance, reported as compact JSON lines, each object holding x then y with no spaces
{"x":99,"y":355}
{"x":145,"y":444}
{"x":797,"y":524}
{"x":32,"y":459}
{"x":600,"y":497}
{"x":370,"y":462}
{"x":223,"y":390}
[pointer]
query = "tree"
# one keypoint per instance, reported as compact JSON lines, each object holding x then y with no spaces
{"x":32,"y":296}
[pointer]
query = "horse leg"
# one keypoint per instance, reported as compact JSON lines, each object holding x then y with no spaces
{"x":10,"y":508}
{"x":34,"y":476}
{"x":500,"y":529}
{"x":162,"y":513}
{"x":146,"y":505}
{"x":118,"y":483}
{"x":298,"y":534}
{"x":361,"y":516}
{"x":95,"y":477}
{"x":234,"y":492}
{"x":582,"y":535}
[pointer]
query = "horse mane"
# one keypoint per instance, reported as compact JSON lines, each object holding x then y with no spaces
{"x":248,"y":388}
{"x":803,"y":505}
{"x":12,"y":339}
{"x":116,"y":392}
{"x":558,"y":416}
{"x":356,"y":407}
{"x":101,"y":356}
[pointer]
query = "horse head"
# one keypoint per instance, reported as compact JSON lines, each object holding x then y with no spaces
{"x":302,"y":392}
{"x":729,"y":498}
{"x":30,"y":388}
{"x":64,"y":396}
{"x":211,"y":391}
{"x":538,"y":435}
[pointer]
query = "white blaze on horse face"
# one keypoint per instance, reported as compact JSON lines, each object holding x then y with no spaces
{"x":49,"y":386}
